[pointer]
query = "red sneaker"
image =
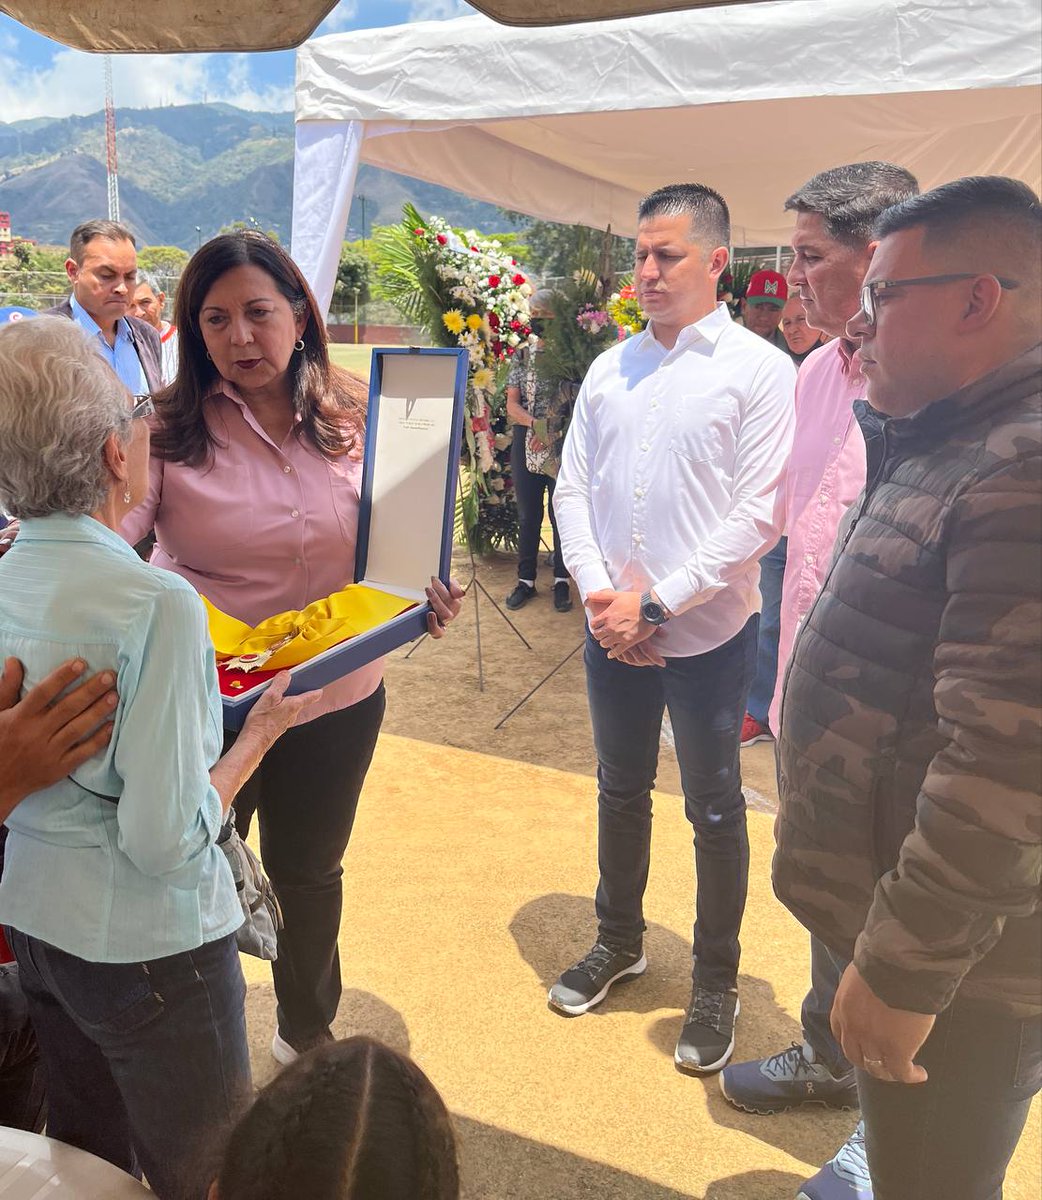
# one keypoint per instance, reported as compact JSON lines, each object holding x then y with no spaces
{"x":753,"y":731}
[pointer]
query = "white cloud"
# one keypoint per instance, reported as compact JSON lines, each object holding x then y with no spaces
{"x":438,"y":10}
{"x":74,"y":83}
{"x":342,"y":17}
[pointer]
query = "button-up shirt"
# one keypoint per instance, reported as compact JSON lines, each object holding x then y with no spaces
{"x":826,"y":474}
{"x":264,"y":529}
{"x":122,"y":357}
{"x":669,"y":475}
{"x":140,"y":878}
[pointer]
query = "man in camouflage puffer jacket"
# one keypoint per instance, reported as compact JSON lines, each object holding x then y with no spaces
{"x":909,"y":758}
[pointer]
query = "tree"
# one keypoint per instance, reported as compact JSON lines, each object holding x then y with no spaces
{"x":167,"y":260}
{"x":556,"y":250}
{"x":249,"y":223}
{"x":353,"y":278}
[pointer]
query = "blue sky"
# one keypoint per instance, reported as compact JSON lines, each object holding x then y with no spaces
{"x":39,"y":78}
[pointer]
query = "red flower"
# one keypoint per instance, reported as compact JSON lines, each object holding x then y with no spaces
{"x":493,"y":281}
{"x":513,"y":262}
{"x":518,"y":280}
{"x":628,"y":293}
{"x":442,"y":239}
{"x":515,"y":325}
{"x":479,"y":424}
{"x":497,"y":348}
{"x":475,"y":249}
{"x":419,"y":232}
{"x":526,"y":332}
{"x":510,"y":350}
{"x":493,"y":320}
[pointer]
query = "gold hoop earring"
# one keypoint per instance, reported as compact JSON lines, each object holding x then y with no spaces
{"x":298,"y":345}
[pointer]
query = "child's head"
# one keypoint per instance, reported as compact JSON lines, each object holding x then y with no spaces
{"x":351,"y":1120}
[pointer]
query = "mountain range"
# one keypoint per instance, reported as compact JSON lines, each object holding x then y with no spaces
{"x":184,"y":172}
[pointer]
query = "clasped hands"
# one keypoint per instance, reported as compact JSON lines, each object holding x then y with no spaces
{"x":616,"y":623}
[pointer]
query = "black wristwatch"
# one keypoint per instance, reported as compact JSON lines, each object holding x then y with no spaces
{"x":651,"y":611}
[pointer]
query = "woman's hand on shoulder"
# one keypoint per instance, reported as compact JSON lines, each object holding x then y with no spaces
{"x":445,"y":604}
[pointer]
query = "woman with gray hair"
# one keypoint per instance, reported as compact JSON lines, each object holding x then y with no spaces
{"x":120,"y":905}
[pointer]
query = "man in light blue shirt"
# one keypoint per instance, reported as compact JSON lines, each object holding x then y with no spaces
{"x":102,"y":267}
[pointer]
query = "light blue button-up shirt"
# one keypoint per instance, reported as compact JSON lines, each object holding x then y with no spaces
{"x":121,"y":357}
{"x":141,"y":878}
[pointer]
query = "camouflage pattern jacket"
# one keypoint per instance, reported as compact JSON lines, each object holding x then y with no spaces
{"x":910,"y":826}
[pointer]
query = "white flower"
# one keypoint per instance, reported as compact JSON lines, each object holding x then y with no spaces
{"x":513,"y":339}
{"x":525,"y":289}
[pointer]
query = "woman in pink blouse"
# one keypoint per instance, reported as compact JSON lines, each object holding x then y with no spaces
{"x":255,"y":476}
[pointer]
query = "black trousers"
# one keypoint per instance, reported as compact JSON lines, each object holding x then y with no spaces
{"x":952,"y":1137}
{"x":305,"y":794}
{"x":529,"y":488}
{"x":22,"y":1101}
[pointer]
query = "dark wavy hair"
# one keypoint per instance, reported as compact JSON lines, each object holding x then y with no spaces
{"x":351,"y":1120}
{"x":330,"y":402}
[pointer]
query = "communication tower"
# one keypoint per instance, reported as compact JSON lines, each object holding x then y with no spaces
{"x":110,"y":143}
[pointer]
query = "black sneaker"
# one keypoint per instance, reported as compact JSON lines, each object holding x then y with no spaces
{"x":520,"y":596}
{"x":707,"y":1040}
{"x":587,"y":983}
{"x":562,"y":596}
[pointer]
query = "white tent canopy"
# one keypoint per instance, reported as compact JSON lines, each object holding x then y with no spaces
{"x":575,"y":124}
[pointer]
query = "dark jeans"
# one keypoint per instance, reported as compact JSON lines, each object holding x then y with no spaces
{"x":529,"y":487}
{"x":22,"y":1097}
{"x":305,"y":794}
{"x":952,"y":1137}
{"x":772,"y":574}
{"x":705,"y":695}
{"x":146,"y":1063}
{"x":826,"y":970}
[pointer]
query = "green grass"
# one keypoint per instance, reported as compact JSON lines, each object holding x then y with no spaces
{"x":353,"y":358}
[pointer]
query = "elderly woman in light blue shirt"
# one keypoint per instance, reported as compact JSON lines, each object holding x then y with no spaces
{"x":120,"y":905}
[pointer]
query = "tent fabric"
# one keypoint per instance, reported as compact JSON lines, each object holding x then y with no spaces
{"x":575,"y":124}
{"x":115,"y":27}
{"x":563,"y":12}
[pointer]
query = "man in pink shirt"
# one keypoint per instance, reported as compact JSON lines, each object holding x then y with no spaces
{"x":835,"y":213}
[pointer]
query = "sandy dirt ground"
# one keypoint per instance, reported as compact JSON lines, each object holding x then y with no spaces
{"x":433,"y":691}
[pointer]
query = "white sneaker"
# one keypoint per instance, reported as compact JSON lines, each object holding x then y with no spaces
{"x":281,"y":1051}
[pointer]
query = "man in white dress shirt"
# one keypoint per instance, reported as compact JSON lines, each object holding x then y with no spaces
{"x":665,"y":504}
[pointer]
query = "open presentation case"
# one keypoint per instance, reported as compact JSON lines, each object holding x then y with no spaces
{"x":414,"y":429}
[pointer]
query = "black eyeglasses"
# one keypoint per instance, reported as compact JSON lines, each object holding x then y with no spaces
{"x":871,"y":290}
{"x":143,"y":407}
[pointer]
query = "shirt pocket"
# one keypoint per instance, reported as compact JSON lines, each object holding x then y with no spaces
{"x":215,"y":512}
{"x":703,"y":427}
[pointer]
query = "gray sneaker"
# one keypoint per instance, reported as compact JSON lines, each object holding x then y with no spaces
{"x":846,"y":1176}
{"x":787,"y":1080}
{"x":586,"y":984}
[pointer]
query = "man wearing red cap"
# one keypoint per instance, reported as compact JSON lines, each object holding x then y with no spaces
{"x":762,"y":307}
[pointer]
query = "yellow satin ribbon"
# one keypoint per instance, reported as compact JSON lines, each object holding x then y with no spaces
{"x":345,"y":614}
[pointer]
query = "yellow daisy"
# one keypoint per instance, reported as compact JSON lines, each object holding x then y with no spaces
{"x":473,"y":321}
{"x":483,"y":379}
{"x":453,"y":320}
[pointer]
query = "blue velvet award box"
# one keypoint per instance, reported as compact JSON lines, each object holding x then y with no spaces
{"x":414,"y":430}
